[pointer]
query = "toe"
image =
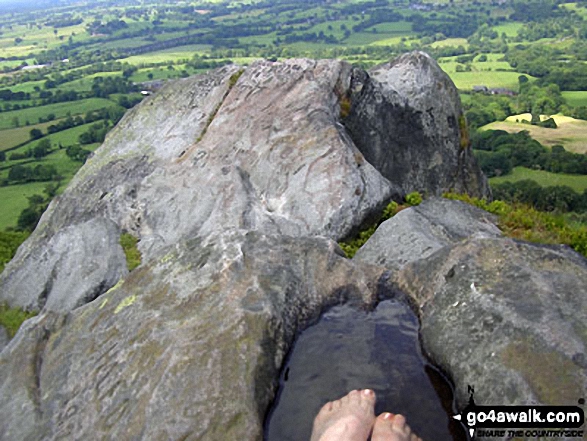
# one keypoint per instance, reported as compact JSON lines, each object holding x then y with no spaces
{"x":367,"y":398}
{"x":383,"y":428}
{"x":399,"y":425}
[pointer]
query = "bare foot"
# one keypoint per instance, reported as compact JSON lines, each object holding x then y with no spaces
{"x":348,"y":419}
{"x":390,"y":427}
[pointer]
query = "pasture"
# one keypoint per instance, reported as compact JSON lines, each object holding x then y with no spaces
{"x":544,"y":178}
{"x":575,"y":99}
{"x":60,"y":110}
{"x":12,"y":137}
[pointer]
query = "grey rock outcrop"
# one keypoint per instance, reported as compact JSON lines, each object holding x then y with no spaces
{"x":504,"y":316}
{"x":416,"y":233}
{"x":189,"y":346}
{"x":75,"y":266}
{"x":260,"y":148}
{"x":406,"y":118}
{"x":236,"y":183}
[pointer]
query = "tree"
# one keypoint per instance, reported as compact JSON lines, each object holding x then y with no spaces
{"x":42,"y":149}
{"x":36,"y":134}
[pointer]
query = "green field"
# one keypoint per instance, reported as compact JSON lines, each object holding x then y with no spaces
{"x":544,"y":178}
{"x":60,"y":110}
{"x":467,"y":80}
{"x":575,"y":99}
{"x":168,"y":55}
{"x":510,"y":29}
{"x":13,"y":137}
{"x":14,"y":200}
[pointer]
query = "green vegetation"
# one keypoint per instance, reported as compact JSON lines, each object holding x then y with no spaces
{"x":13,"y":318}
{"x":351,"y":246}
{"x":523,"y":222}
{"x":577,"y":182}
{"x":9,"y":243}
{"x":132,"y":253}
{"x":59,"y":110}
{"x":499,"y":151}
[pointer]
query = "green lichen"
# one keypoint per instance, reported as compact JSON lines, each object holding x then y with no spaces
{"x":464,"y":132}
{"x":127,"y":301}
{"x":132,"y":253}
{"x":345,"y":106}
{"x":13,"y":318}
{"x":234,"y":78}
{"x":103,"y":303}
{"x":551,"y":376}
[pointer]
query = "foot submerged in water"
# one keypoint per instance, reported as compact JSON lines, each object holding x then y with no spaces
{"x":352,"y":418}
{"x":349,"y":419}
{"x":389,"y":427}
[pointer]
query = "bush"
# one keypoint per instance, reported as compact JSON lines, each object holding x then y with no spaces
{"x":414,"y":198}
{"x":549,"y":123}
{"x":524,"y":222}
{"x":9,"y":243}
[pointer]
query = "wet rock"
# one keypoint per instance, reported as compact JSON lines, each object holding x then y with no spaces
{"x":417,"y":232}
{"x":406,"y":118}
{"x":189,"y":346}
{"x":506,"y":317}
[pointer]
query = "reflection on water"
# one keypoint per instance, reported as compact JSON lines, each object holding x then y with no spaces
{"x":349,"y":349}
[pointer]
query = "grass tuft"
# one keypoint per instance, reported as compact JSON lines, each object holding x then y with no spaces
{"x":132,"y":253}
{"x":13,"y":318}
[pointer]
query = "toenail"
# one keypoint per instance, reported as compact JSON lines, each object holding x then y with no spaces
{"x":387,"y":416}
{"x":368,"y":392}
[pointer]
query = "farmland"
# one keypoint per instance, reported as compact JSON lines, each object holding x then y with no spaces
{"x":69,"y":71}
{"x":572,"y":133}
{"x":544,"y":178}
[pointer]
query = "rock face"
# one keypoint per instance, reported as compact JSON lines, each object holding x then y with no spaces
{"x":507,"y":317}
{"x":408,"y":112}
{"x":75,"y":266}
{"x":236,"y":184}
{"x":189,"y":346}
{"x":260,"y":149}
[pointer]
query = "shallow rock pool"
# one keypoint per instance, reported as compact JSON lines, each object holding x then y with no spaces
{"x":352,"y":349}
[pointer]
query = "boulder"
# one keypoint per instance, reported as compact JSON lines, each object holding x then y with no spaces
{"x":417,"y":232}
{"x":74,"y":266}
{"x":188,"y":346}
{"x":506,"y":317}
{"x":406,"y":119}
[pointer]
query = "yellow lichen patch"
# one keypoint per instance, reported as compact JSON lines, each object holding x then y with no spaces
{"x":550,"y":375}
{"x":168,"y":257}
{"x":118,"y":285}
{"x":127,"y":301}
{"x":103,"y":303}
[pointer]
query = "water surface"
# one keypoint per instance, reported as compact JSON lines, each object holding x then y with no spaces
{"x":351,"y":349}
